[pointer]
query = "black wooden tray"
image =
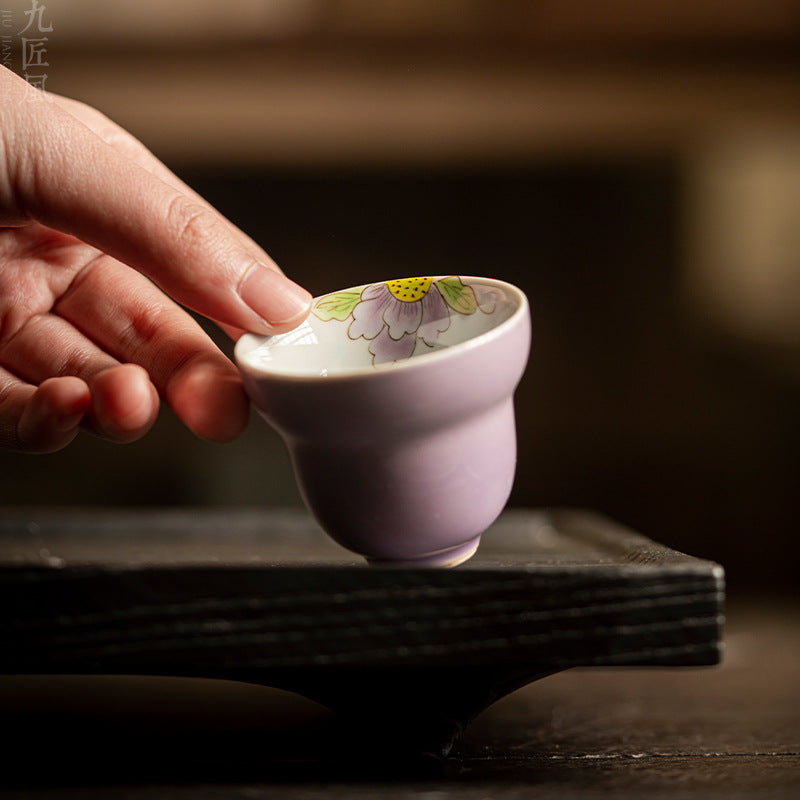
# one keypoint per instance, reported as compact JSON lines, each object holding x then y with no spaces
{"x":265,"y":597}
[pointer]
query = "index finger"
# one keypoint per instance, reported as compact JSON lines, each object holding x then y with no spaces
{"x":65,"y":176}
{"x":130,"y":147}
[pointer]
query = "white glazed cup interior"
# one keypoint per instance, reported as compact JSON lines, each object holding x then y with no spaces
{"x":384,"y":324}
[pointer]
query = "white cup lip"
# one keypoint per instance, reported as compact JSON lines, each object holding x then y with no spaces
{"x":248,"y":341}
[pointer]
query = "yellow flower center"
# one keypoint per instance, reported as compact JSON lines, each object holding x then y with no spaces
{"x":409,"y":290}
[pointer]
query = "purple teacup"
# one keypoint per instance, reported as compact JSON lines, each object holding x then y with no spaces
{"x":395,"y":401}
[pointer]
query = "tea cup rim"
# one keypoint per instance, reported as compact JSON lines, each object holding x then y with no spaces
{"x":248,"y":341}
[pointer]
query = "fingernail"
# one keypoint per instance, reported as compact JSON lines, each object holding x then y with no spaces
{"x":273,"y":296}
{"x":140,"y":409}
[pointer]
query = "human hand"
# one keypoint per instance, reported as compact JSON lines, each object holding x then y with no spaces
{"x":95,"y":233}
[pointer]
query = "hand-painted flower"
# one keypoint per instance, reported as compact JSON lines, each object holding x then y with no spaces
{"x":395,"y":315}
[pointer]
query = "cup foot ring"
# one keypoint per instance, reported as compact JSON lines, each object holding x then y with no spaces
{"x":443,"y":558}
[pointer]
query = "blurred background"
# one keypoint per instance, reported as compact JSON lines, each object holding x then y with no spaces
{"x":634,"y":167}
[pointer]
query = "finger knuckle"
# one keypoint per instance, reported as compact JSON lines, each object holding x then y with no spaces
{"x":188,"y":221}
{"x":123,"y":142}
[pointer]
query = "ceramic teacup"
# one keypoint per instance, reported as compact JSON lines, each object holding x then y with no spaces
{"x":395,"y":401}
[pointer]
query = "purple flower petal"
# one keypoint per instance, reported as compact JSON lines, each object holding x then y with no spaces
{"x":488,"y":297}
{"x":402,"y":318}
{"x":368,"y":314}
{"x":435,"y":317}
{"x":386,"y":349}
{"x":375,"y":291}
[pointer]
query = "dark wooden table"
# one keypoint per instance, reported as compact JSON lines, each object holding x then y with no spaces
{"x":731,"y":730}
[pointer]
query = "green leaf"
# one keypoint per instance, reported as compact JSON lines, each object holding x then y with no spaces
{"x":336,"y":306}
{"x":457,"y":295}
